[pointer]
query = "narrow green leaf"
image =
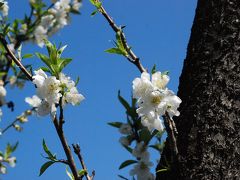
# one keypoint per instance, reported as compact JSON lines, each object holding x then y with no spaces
{"x":124,"y":102}
{"x":122,"y":177}
{"x":60,"y":51}
{"x":154,"y":69}
{"x":114,"y":51}
{"x":94,"y":13}
{"x":45,"y":166}
{"x":127,"y":163}
{"x":45,"y":148}
{"x":63,"y":63}
{"x":27,"y":56}
{"x":69,"y":174}
{"x":162,"y":170}
{"x":44,"y":58}
{"x":128,"y":148}
{"x":77,"y":81}
{"x":115,"y":124}
{"x":45,"y":69}
{"x":14,"y":147}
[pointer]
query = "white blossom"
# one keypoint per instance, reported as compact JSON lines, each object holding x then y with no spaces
{"x":40,"y":34}
{"x":140,"y":85}
{"x":142,"y":171}
{"x":140,"y":151}
{"x":3,"y":170}
{"x":4,"y":8}
{"x":125,"y":129}
{"x":35,"y":101}
{"x":71,"y":95}
{"x":76,"y":5}
{"x":124,"y":141}
{"x":48,"y":88}
{"x":154,"y":99}
{"x":12,"y":161}
{"x":3,"y":91}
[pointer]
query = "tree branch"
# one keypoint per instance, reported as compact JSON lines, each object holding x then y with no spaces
{"x":66,"y":148}
{"x":14,"y":58}
{"x":132,"y":57}
{"x":77,"y":151}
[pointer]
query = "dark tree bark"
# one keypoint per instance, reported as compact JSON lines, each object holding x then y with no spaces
{"x":209,"y":124}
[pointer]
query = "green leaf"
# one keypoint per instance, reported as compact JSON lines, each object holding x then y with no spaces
{"x":158,"y":147}
{"x":114,"y":51}
{"x":127,"y":163}
{"x":15,"y":147}
{"x":2,"y":74}
{"x":122,"y":177}
{"x":145,"y":135}
{"x":63,"y":63}
{"x":128,"y":148}
{"x":45,"y":166}
{"x":120,"y":43}
{"x":115,"y":124}
{"x":97,"y":4}
{"x":162,"y":170}
{"x":19,"y":51}
{"x":45,"y":148}
{"x":82,"y":172}
{"x":44,"y":58}
{"x":77,"y":81}
{"x":165,"y":73}
{"x":154,"y":69}
{"x":60,"y":51}
{"x":45,"y":69}
{"x":27,"y":56}
{"x":124,"y":102}
{"x":94,"y":13}
{"x":69,"y":174}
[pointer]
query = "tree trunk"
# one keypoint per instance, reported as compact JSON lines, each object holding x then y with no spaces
{"x":209,"y":124}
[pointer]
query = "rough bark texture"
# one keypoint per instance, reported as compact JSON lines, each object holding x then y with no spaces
{"x":209,"y":124}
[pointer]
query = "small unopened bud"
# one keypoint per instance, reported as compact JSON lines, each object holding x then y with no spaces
{"x":22,"y":119}
{"x":28,"y":112}
{"x":17,"y":127}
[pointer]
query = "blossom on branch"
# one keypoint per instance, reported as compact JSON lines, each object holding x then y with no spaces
{"x":49,"y":92}
{"x":4,"y":8}
{"x":154,"y":99}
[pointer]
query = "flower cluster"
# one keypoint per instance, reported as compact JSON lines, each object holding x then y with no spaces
{"x":10,"y":160}
{"x":4,"y":8}
{"x":154,"y":99}
{"x":142,"y":168}
{"x":56,"y":18}
{"x":50,"y":90}
{"x":3,"y":93}
{"x":125,"y":129}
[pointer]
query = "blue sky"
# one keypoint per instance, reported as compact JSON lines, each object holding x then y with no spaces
{"x":158,"y":32}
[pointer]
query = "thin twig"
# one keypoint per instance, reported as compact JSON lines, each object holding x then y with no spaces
{"x":26,"y":113}
{"x":15,"y":59}
{"x":77,"y":151}
{"x":9,"y":126}
{"x":132,"y":57}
